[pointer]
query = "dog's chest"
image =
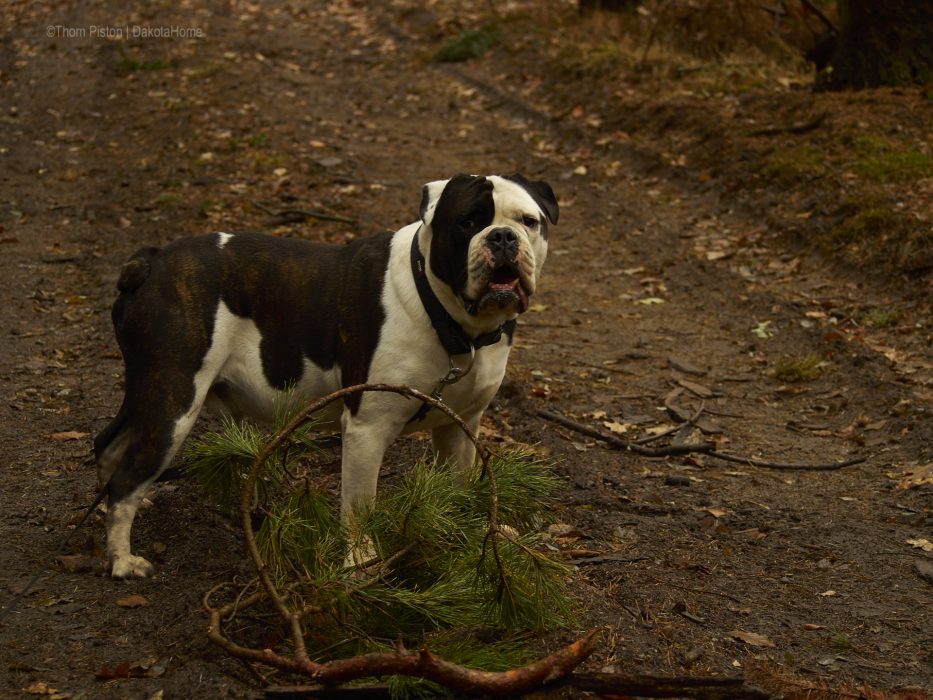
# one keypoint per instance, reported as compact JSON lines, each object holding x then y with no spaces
{"x":470,"y":394}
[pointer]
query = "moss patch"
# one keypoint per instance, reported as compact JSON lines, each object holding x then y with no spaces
{"x":880,"y":160}
{"x":802,"y":368}
{"x":471,"y":43}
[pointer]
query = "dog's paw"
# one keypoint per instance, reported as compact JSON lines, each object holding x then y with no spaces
{"x":360,"y":553}
{"x":131,"y":566}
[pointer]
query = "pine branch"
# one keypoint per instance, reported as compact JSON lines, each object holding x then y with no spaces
{"x":431,"y":574}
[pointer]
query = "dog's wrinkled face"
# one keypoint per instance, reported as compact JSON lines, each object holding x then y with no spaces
{"x":488,"y":239}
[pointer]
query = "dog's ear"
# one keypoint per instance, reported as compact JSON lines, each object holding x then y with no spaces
{"x":542,"y":194}
{"x":430,"y":194}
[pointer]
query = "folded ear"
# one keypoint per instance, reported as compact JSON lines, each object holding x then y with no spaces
{"x":542,"y":194}
{"x":430,"y":194}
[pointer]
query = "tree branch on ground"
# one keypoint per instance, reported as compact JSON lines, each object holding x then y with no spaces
{"x":422,"y":663}
{"x":706,"y":448}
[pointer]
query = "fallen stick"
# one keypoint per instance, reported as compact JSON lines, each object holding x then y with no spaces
{"x":789,"y":466}
{"x":297,"y":216}
{"x":615,"y":441}
{"x":706,"y":448}
{"x":795,"y":128}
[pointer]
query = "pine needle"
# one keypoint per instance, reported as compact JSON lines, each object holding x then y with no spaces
{"x":220,"y":460}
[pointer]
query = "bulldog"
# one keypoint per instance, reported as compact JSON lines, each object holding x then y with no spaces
{"x":233,"y":320}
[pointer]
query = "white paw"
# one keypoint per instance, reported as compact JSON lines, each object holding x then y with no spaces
{"x":131,"y":566}
{"x":360,"y":552}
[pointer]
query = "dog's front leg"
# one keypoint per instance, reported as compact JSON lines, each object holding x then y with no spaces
{"x":453,"y":446}
{"x":366,"y":436}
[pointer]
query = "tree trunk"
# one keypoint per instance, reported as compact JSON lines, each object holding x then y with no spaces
{"x":881,"y":43}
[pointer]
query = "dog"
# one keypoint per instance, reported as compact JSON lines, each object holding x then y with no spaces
{"x":233,"y":320}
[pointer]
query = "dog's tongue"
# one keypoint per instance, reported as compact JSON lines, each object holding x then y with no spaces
{"x":522,"y":299}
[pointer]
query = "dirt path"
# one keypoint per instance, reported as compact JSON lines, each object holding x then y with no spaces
{"x":103,"y":151}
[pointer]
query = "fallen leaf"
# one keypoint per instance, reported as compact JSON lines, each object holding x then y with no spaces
{"x":828,"y":594}
{"x":121,"y":670}
{"x":925,"y":545}
{"x":76,"y":563}
{"x":537,"y":308}
{"x":564,"y":530}
{"x":684,"y":366}
{"x":716,"y":512}
{"x":68,"y":435}
{"x":132,"y":601}
{"x":916,"y":476}
{"x":924,"y":569}
{"x":616,"y":427}
{"x":810,"y":627}
{"x":752,"y":638}
{"x":650,"y":301}
{"x":150,"y":667}
{"x":763,"y":330}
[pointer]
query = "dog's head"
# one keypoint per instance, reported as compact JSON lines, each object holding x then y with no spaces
{"x":485,"y":239}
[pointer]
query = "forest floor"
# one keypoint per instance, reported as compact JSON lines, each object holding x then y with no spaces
{"x":731,"y":241}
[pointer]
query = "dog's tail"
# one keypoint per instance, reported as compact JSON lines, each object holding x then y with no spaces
{"x":136,"y":271}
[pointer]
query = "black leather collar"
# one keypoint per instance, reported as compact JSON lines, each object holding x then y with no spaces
{"x":451,"y":334}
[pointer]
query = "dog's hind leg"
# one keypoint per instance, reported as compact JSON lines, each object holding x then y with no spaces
{"x":147,"y":443}
{"x":147,"y":451}
{"x":165,"y":406}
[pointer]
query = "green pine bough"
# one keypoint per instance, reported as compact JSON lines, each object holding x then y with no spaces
{"x":441,"y":578}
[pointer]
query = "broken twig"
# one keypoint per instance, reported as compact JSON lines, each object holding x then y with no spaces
{"x":615,"y":441}
{"x":297,"y":216}
{"x":706,"y":448}
{"x":795,"y":128}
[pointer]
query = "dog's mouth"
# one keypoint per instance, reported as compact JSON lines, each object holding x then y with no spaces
{"x":504,"y":289}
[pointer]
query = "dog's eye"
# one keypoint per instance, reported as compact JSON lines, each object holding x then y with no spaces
{"x":466,"y":225}
{"x":530,"y":222}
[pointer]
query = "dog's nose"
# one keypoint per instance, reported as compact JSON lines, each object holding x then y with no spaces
{"x":502,"y":240}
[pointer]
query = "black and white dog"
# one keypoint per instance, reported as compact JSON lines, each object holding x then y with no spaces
{"x":233,"y":320}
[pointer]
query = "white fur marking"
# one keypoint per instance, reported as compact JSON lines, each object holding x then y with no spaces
{"x":223,"y":239}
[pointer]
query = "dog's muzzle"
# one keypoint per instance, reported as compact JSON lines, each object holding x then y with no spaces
{"x":504,"y":285}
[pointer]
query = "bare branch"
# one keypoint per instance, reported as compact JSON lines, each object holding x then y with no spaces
{"x":706,"y":448}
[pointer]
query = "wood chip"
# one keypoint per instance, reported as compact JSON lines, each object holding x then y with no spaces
{"x":68,"y":435}
{"x":76,"y":563}
{"x":752,"y":638}
{"x":685,"y":366}
{"x":924,"y":569}
{"x":698,"y":389}
{"x":132,"y":601}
